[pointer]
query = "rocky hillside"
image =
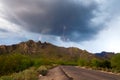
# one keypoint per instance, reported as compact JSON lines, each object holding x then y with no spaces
{"x":45,"y":49}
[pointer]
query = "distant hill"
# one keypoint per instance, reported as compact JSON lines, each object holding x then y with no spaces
{"x":105,"y":55}
{"x":45,"y":50}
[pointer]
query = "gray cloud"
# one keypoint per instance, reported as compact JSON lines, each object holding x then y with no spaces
{"x":2,"y":30}
{"x":50,"y":17}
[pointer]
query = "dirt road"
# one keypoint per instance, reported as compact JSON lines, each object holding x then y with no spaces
{"x":74,"y":73}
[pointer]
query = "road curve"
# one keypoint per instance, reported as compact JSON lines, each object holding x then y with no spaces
{"x":85,"y":74}
{"x":74,"y":73}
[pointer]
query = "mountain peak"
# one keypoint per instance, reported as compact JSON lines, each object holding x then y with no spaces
{"x":31,"y":47}
{"x":105,"y":55}
{"x":30,"y":41}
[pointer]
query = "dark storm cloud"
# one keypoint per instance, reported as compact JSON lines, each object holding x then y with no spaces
{"x":54,"y":17}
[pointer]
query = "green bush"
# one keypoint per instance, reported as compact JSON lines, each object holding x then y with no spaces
{"x":115,"y":62}
{"x":83,"y":62}
{"x":14,"y":63}
{"x":95,"y":63}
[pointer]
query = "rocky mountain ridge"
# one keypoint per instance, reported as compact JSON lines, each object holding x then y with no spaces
{"x":31,"y":47}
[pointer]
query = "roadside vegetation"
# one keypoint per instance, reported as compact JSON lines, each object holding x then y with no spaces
{"x":27,"y":67}
{"x":115,"y":63}
{"x":14,"y":63}
{"x":31,"y":73}
{"x":111,"y":65}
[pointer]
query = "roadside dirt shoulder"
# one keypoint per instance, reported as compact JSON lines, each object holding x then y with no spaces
{"x":55,"y":74}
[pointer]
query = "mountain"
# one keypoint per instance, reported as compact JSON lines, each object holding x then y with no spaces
{"x":105,"y":55}
{"x":45,"y":50}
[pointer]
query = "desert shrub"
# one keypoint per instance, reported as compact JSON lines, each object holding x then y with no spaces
{"x":28,"y":74}
{"x":95,"y":63}
{"x":14,"y":63}
{"x":42,"y":70}
{"x":115,"y":62}
{"x":82,"y":62}
{"x":31,"y":73}
{"x":37,"y":62}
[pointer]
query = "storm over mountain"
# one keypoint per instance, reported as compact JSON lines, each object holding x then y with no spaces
{"x":80,"y":23}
